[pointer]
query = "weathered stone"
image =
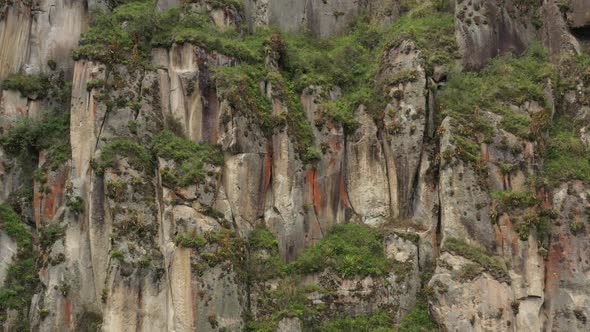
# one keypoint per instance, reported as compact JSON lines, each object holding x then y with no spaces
{"x":568,"y":304}
{"x":503,"y":28}
{"x":404,"y":122}
{"x":8,"y":250}
{"x":478,"y":304}
{"x":577,"y":13}
{"x":463,"y":202}
{"x":366,"y":172}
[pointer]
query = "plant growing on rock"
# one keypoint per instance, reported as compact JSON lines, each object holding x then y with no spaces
{"x":21,"y":279}
{"x":137,"y":156}
{"x":190,"y":158}
{"x":491,"y":264}
{"x":350,"y":249}
{"x":566,"y":157}
{"x":30,"y":86}
{"x":506,"y":81}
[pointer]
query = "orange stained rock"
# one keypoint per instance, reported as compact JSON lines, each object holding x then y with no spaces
{"x":343,"y":194}
{"x":67,"y":312}
{"x":312,"y":181}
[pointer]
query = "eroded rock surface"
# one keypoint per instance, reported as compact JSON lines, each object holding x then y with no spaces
{"x":152,"y":220}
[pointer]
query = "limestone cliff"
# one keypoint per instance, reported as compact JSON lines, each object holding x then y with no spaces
{"x":274,"y":165}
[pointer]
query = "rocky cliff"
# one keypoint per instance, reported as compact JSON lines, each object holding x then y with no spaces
{"x":274,"y":165}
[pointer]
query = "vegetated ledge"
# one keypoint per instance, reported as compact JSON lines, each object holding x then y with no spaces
{"x":348,"y":251}
{"x":349,"y":62}
{"x":480,"y":256}
{"x":21,"y":276}
{"x":30,"y":86}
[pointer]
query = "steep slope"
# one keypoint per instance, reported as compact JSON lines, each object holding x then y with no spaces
{"x":218,"y":165}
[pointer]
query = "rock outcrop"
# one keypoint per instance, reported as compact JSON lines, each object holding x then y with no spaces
{"x":204,"y":185}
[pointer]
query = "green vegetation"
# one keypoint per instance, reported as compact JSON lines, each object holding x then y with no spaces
{"x":564,"y":6}
{"x":190,"y":158}
{"x":179,"y":25}
{"x":379,"y":322}
{"x":94,"y":84}
{"x":299,"y":126}
{"x":469,"y":272}
{"x":108,"y":42}
{"x":116,"y":190}
{"x":11,"y":224}
{"x":134,"y":227}
{"x":577,"y":227}
{"x":21,"y":278}
{"x":539,"y":221}
{"x":137,"y":156}
{"x":566,"y":157}
{"x":433,"y":31}
{"x":508,"y":200}
{"x":239,"y":86}
{"x":146,"y":27}
{"x":264,"y":261}
{"x":506,"y":81}
{"x":30,"y":86}
{"x":349,"y":62}
{"x":525,"y":210}
{"x":575,"y":68}
{"x":224,"y":4}
{"x":216,"y":247}
{"x":117,"y":254}
{"x":50,"y":234}
{"x":188,"y":240}
{"x":491,"y":264}
{"x":288,"y":299}
{"x":75,"y":204}
{"x":28,"y":137}
{"x":418,"y":319}
{"x":349,"y":249}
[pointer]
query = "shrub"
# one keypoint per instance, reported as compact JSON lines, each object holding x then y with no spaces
{"x":107,"y":41}
{"x":187,"y":240}
{"x":28,"y":137}
{"x":508,"y":200}
{"x":117,"y":254}
{"x":127,"y":35}
{"x":137,"y":156}
{"x":190,"y":158}
{"x":577,"y":227}
{"x":381,"y":321}
{"x":312,"y":154}
{"x":94,"y":84}
{"x":566,"y":157}
{"x":11,"y":224}
{"x":30,"y":86}
{"x":50,"y":234}
{"x":239,"y":86}
{"x":469,"y":272}
{"x":75,"y":204}
{"x":264,"y":261}
{"x":116,"y":190}
{"x":21,"y":276}
{"x":492,"y":265}
{"x":432,"y":31}
{"x":539,"y":221}
{"x":349,"y":249}
{"x":505,"y":81}
{"x":418,"y":320}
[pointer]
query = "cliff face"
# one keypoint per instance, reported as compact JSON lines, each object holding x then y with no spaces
{"x":360,"y":165}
